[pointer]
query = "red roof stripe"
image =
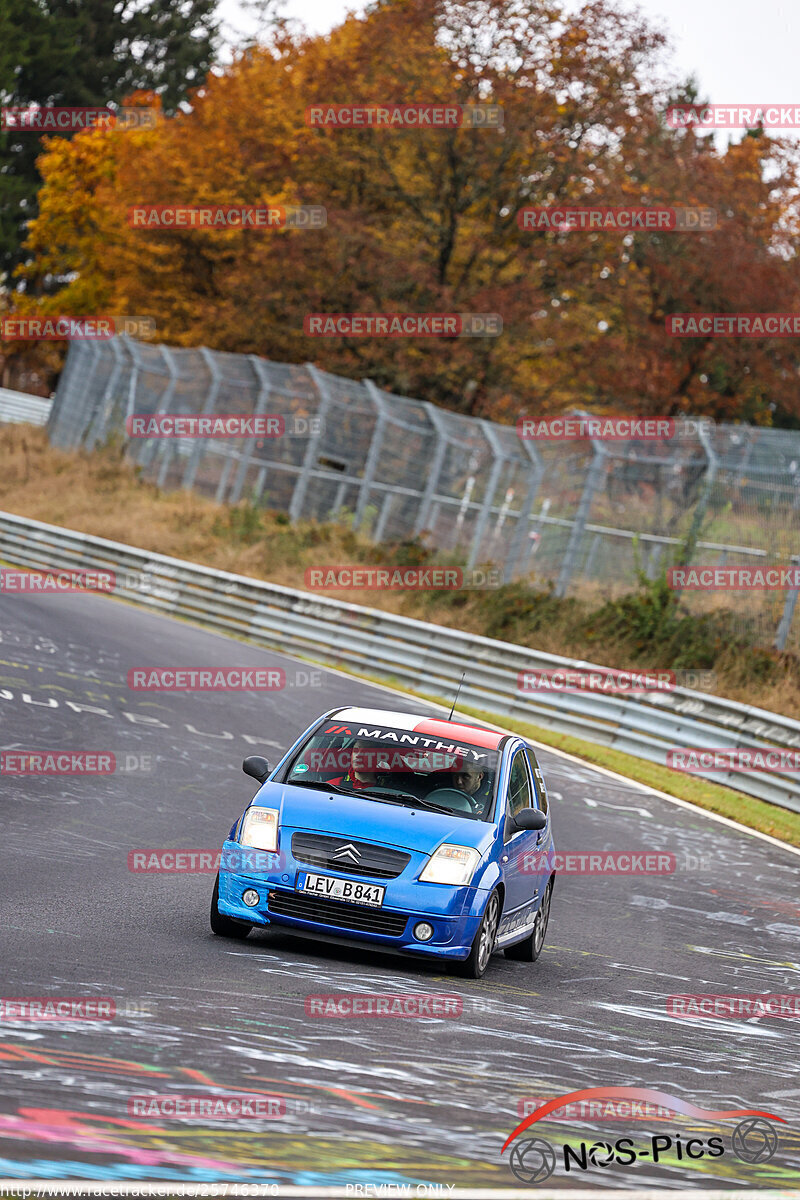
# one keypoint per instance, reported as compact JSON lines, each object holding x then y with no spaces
{"x":465,"y":733}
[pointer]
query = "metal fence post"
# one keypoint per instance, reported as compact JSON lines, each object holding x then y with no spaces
{"x":594,"y":481}
{"x":69,"y":413}
{"x":517,"y":539}
{"x":687,"y":551}
{"x":437,"y":420}
{"x":374,"y":453}
{"x":166,"y":447}
{"x":789,"y":606}
{"x":752,"y":436}
{"x":199,"y":449}
{"x":61,"y":413}
{"x":304,"y":478}
{"x":494,"y":478}
{"x":383,"y":517}
{"x":133,"y":381}
{"x":157,"y":449}
{"x":265,"y":391}
{"x":100,"y":414}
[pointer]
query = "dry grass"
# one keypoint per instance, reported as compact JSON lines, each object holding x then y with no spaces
{"x":101,"y":494}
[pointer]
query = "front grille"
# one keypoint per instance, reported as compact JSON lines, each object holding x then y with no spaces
{"x":378,"y":862}
{"x":329,"y":912}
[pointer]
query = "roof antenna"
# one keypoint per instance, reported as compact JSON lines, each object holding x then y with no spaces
{"x":458,"y":689}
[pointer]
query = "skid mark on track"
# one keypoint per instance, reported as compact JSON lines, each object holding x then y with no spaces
{"x":375,"y":1100}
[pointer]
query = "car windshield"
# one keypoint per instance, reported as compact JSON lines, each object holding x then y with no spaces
{"x":399,"y":767}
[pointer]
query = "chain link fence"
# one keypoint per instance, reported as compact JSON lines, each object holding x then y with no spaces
{"x":585,"y":516}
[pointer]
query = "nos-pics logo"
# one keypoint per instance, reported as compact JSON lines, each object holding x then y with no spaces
{"x":534,"y":1160}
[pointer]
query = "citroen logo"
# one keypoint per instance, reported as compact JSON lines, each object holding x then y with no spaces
{"x":348,"y":851}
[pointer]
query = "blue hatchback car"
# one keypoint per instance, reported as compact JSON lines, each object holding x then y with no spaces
{"x":413,"y":834}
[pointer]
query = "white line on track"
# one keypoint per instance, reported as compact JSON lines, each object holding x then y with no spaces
{"x":587,"y":765}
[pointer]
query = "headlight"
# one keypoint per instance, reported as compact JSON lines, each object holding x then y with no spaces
{"x":451,"y":864}
{"x":260,"y":828}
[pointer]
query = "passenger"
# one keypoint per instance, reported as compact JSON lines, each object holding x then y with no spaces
{"x":362,"y":773}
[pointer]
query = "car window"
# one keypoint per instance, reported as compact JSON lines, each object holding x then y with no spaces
{"x":519,"y":786}
{"x":400,"y":766}
{"x":538,"y":781}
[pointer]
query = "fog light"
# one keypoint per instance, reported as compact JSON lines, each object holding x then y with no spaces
{"x":423,"y":932}
{"x":250,"y":898}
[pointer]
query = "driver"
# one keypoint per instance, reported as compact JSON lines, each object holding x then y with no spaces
{"x":475,"y":782}
{"x":362,"y":773}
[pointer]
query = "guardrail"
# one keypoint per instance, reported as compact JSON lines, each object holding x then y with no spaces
{"x":19,"y":407}
{"x":417,"y":655}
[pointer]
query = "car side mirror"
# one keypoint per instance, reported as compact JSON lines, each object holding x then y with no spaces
{"x":257,"y":767}
{"x":529,"y":818}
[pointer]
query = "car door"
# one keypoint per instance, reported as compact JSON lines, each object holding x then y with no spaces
{"x":520,"y":859}
{"x":540,"y":801}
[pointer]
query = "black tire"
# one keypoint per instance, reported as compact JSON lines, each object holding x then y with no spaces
{"x":530,"y":949}
{"x":224,"y":926}
{"x":480,"y":955}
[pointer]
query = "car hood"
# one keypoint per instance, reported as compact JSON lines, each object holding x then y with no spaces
{"x":371,"y":820}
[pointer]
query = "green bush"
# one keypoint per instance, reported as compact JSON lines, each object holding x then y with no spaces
{"x":242,"y":524}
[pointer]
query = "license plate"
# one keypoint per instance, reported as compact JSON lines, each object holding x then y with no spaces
{"x":334,"y":888}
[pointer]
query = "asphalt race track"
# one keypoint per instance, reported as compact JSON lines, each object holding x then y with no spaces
{"x":367,"y":1100}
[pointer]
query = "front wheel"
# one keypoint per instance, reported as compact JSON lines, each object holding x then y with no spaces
{"x":530,"y":949}
{"x":475,"y":966}
{"x":223,"y":926}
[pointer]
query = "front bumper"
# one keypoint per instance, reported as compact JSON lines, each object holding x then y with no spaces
{"x":453,"y":912}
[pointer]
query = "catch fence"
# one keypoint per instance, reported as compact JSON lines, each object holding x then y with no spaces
{"x":587,"y":517}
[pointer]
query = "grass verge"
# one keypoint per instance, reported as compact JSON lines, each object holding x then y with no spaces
{"x":102,"y":494}
{"x":756,"y":814}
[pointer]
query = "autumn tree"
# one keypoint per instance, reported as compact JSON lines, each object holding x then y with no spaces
{"x":92,"y":53}
{"x":426,"y":220}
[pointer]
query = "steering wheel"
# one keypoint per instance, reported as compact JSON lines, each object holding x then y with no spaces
{"x":454,"y":798}
{"x":476,"y":802}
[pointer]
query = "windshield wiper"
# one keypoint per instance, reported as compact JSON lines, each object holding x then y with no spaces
{"x":320,"y":786}
{"x":390,"y":797}
{"x":335,"y":787}
{"x":402,"y":797}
